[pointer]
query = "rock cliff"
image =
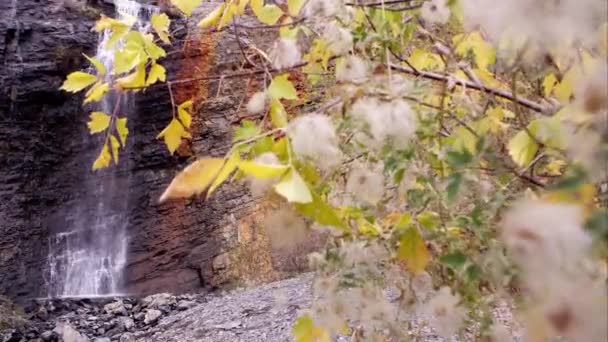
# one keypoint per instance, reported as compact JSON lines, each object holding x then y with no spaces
{"x":46,"y":154}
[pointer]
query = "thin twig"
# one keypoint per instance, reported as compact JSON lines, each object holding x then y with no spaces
{"x":497,"y":92}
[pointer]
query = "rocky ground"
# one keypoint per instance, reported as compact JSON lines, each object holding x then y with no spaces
{"x":264,"y":313}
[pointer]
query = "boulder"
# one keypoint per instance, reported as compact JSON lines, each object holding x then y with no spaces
{"x":152,"y":316}
{"x":158,"y":300}
{"x":116,"y":308}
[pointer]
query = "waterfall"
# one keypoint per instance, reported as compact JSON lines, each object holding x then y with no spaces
{"x":87,"y":257}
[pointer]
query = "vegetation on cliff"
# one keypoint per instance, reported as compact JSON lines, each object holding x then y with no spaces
{"x":460,"y":145}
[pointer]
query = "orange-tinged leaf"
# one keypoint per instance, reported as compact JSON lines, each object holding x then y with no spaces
{"x":194,"y":179}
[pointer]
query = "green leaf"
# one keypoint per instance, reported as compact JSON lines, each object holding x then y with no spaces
{"x":172,"y":135}
{"x":459,"y":158}
{"x":597,"y":224}
{"x":104,"y":158}
{"x":160,"y":23}
{"x":115,"y":146}
{"x":278,"y":116}
{"x":282,"y":88}
{"x":454,"y":182}
{"x":122,"y":130}
{"x":247,"y":130}
{"x":229,"y":167}
{"x":101,"y":69}
{"x":321,"y":212}
{"x":412,"y":250}
{"x":183,"y":114}
{"x":194,"y":179}
{"x":454,"y":260}
{"x":428,"y":219}
{"x":186,"y":6}
{"x":262,"y":171}
{"x":294,"y":7}
{"x":77,"y":81}
{"x":157,"y":73}
{"x":522,"y":148}
{"x":293,"y":188}
{"x":99,"y":122}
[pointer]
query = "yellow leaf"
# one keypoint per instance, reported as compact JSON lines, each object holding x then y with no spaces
{"x":130,"y":56}
{"x":154,"y":51}
{"x":266,"y":14}
{"x":564,"y":89}
{"x":213,"y":17}
{"x":242,"y":4}
{"x":548,"y":83}
{"x":554,"y":168}
{"x":194,"y":179}
{"x":96,"y":92}
{"x":115,"y":145}
{"x":160,"y":23}
{"x":135,"y":80}
{"x":157,"y":73}
{"x":294,"y":7}
{"x":99,"y":122}
{"x":172,"y":135}
{"x":422,"y":60}
{"x":293,"y":188}
{"x":77,"y":81}
{"x":107,"y":23}
{"x":412,"y":250}
{"x":522,"y":148}
{"x":228,"y":14}
{"x":282,"y":88}
{"x":186,"y":6}
{"x":304,"y":330}
{"x":229,"y":167}
{"x":122,"y":130}
{"x":183,"y":114}
{"x":484,"y":52}
{"x":104,"y":158}
{"x":262,"y":171}
{"x":278,"y":116}
{"x":101,"y":69}
{"x":487,"y":78}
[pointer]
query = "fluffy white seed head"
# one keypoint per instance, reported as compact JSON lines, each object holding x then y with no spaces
{"x":285,"y":53}
{"x":543,"y":23}
{"x":446,"y":316}
{"x":435,"y":11}
{"x":351,"y":69}
{"x":365,"y":185}
{"x":544,"y":237}
{"x":394,"y":120}
{"x":422,"y":285}
{"x":257,"y":103}
{"x":339,"y":40}
{"x":285,"y":229}
{"x":321,"y":8}
{"x":313,"y":136}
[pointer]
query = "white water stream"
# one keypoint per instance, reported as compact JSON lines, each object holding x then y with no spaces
{"x":88,"y":257}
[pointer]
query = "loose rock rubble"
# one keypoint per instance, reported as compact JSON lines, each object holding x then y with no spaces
{"x":262,"y":314}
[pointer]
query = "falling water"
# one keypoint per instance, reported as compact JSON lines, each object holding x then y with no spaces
{"x":88,"y":256}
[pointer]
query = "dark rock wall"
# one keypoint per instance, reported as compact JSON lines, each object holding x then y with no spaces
{"x":46,"y":153}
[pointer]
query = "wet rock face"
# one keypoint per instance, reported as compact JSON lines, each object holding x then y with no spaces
{"x":46,"y":152}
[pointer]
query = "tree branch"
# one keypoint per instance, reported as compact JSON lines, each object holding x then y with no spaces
{"x":497,"y":92}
